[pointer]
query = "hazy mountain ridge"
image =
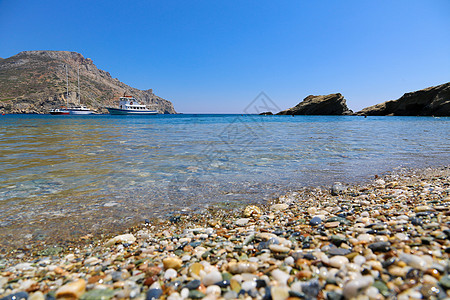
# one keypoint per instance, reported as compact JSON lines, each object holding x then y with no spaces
{"x":35,"y":82}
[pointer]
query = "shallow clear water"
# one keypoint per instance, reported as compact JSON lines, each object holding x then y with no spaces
{"x":69,"y":175}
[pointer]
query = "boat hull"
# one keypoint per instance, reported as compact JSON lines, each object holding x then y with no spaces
{"x":117,"y":111}
{"x":80,"y":112}
{"x":60,"y":112}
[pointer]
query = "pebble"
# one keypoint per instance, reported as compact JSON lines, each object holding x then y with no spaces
{"x":16,"y":296}
{"x":242,"y":221}
{"x":315,"y":221}
{"x":279,"y":248}
{"x":242,"y":267}
{"x":279,"y":207}
{"x":380,"y":246}
{"x":355,"y":287}
{"x":251,"y":210}
{"x":280,"y":276}
{"x":332,"y":224}
{"x":414,"y":261}
{"x":366,"y":242}
{"x":124,"y":238}
{"x":72,"y":289}
{"x":279,"y":293}
{"x":213,"y":290}
{"x":212,"y":278}
{"x":339,"y":251}
{"x":338,"y":261}
{"x":153,"y":294}
{"x":172,"y":263}
{"x":170,"y":273}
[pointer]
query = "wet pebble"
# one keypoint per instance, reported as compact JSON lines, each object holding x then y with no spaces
{"x":315,"y":221}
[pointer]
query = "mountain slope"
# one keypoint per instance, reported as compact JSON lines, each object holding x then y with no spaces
{"x":35,"y":82}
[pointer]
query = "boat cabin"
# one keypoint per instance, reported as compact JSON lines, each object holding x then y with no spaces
{"x":130,"y":103}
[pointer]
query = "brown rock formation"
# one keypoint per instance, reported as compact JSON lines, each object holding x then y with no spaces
{"x":35,"y":82}
{"x":333,"y":104}
{"x":432,"y":101}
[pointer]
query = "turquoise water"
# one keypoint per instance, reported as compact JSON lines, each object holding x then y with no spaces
{"x":78,"y":174}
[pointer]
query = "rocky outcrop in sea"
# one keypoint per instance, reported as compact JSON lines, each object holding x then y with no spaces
{"x":35,"y":82}
{"x":333,"y":104}
{"x":432,"y":101}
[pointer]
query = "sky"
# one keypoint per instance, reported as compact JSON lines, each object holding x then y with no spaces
{"x":217,"y":56}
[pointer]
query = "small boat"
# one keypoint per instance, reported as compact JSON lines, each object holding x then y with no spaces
{"x":59,"y":111}
{"x":130,"y":106}
{"x":74,"y":110}
{"x":79,"y":110}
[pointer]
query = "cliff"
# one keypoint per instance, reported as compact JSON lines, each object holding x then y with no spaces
{"x":35,"y":82}
{"x":432,"y":101}
{"x":333,"y":104}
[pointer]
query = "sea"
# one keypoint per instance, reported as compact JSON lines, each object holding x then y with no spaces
{"x":63,"y":177}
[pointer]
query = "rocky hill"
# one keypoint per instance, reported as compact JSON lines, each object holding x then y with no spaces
{"x":333,"y":104}
{"x":432,"y":101}
{"x":35,"y":82}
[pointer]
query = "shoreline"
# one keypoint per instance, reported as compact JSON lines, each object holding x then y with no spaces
{"x":376,"y":240}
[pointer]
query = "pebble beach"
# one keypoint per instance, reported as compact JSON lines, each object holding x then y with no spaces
{"x":387,"y":239}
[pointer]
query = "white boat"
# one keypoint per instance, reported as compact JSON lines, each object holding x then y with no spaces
{"x":130,"y":106}
{"x":59,"y":111}
{"x":63,"y":110}
{"x":79,"y":109}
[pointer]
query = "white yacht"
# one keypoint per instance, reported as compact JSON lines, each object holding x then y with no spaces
{"x":79,"y":109}
{"x":130,"y":106}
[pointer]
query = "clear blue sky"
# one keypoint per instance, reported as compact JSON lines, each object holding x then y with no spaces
{"x":216,"y":56}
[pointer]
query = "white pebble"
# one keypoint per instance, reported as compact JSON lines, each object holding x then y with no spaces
{"x":279,"y":248}
{"x":279,"y":292}
{"x":365,"y":238}
{"x":24,"y":267}
{"x":280,"y":276}
{"x":354,"y":287}
{"x":372,"y":292}
{"x":365,"y":214}
{"x":248,"y":285}
{"x":212,"y":278}
{"x":184,"y":293}
{"x":37,"y":296}
{"x":213,"y":290}
{"x":170,"y":273}
{"x":174,"y":296}
{"x":242,"y":221}
{"x":338,"y":261}
{"x":186,"y":258}
{"x":401,"y":236}
{"x":413,"y":261}
{"x":359,"y":259}
{"x":289,"y":261}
